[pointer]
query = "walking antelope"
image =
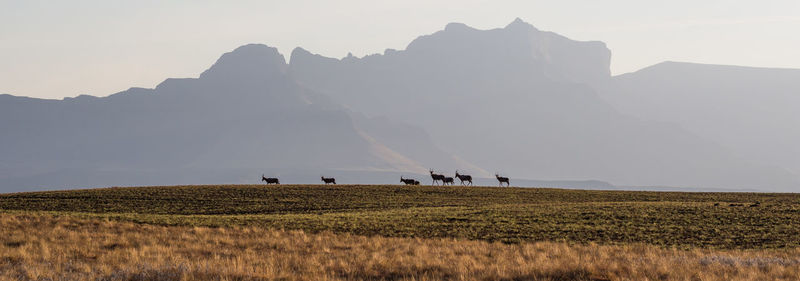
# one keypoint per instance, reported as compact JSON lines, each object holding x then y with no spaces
{"x":328,"y":180}
{"x":447,"y":180}
{"x":436,"y":177}
{"x":502,"y":180}
{"x":409,"y":181}
{"x":270,"y":180}
{"x":464,"y":178}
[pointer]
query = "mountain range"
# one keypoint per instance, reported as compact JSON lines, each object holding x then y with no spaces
{"x":520,"y":101}
{"x":751,"y":111}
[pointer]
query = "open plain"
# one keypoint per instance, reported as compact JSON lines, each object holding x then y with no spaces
{"x":363,"y":232}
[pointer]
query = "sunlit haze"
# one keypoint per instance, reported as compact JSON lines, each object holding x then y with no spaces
{"x":53,"y":49}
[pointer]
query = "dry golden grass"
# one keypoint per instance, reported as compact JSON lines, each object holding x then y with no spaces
{"x":46,"y":247}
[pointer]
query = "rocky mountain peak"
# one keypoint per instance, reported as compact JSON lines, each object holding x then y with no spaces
{"x":248,"y":61}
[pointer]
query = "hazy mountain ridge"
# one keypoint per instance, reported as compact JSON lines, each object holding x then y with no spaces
{"x":515,"y":100}
{"x":244,"y":114}
{"x":750,"y":110}
{"x":509,"y":99}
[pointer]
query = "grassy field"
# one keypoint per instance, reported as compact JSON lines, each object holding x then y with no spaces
{"x":48,"y":247}
{"x":508,"y":215}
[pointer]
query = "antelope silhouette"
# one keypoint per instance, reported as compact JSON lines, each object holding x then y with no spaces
{"x":436,"y":177}
{"x":464,"y":178}
{"x":328,"y":180}
{"x":409,"y":181}
{"x":502,"y":180}
{"x":270,"y":180}
{"x":447,"y":180}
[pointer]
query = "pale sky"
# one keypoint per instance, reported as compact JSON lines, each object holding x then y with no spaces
{"x":53,"y":49}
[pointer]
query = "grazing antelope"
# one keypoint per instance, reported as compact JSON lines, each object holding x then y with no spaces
{"x":464,"y":178}
{"x":409,"y":181}
{"x":328,"y":180}
{"x":502,"y":180}
{"x":436,"y":177}
{"x":447,"y":180}
{"x":270,"y":180}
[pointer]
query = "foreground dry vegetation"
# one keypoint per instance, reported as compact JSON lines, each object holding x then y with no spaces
{"x":47,"y":247}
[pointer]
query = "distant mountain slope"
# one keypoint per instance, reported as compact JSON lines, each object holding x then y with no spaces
{"x":241,"y":117}
{"x":524,"y":102}
{"x":753,"y":111}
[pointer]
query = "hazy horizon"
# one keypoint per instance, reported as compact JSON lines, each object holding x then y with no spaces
{"x":55,"y":50}
{"x":565,"y":119}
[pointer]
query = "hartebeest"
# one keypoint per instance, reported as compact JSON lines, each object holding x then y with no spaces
{"x":436,"y":177}
{"x":270,"y":180}
{"x":464,"y":178}
{"x":447,"y":180}
{"x":409,"y":181}
{"x":328,"y":180}
{"x":502,"y":180}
